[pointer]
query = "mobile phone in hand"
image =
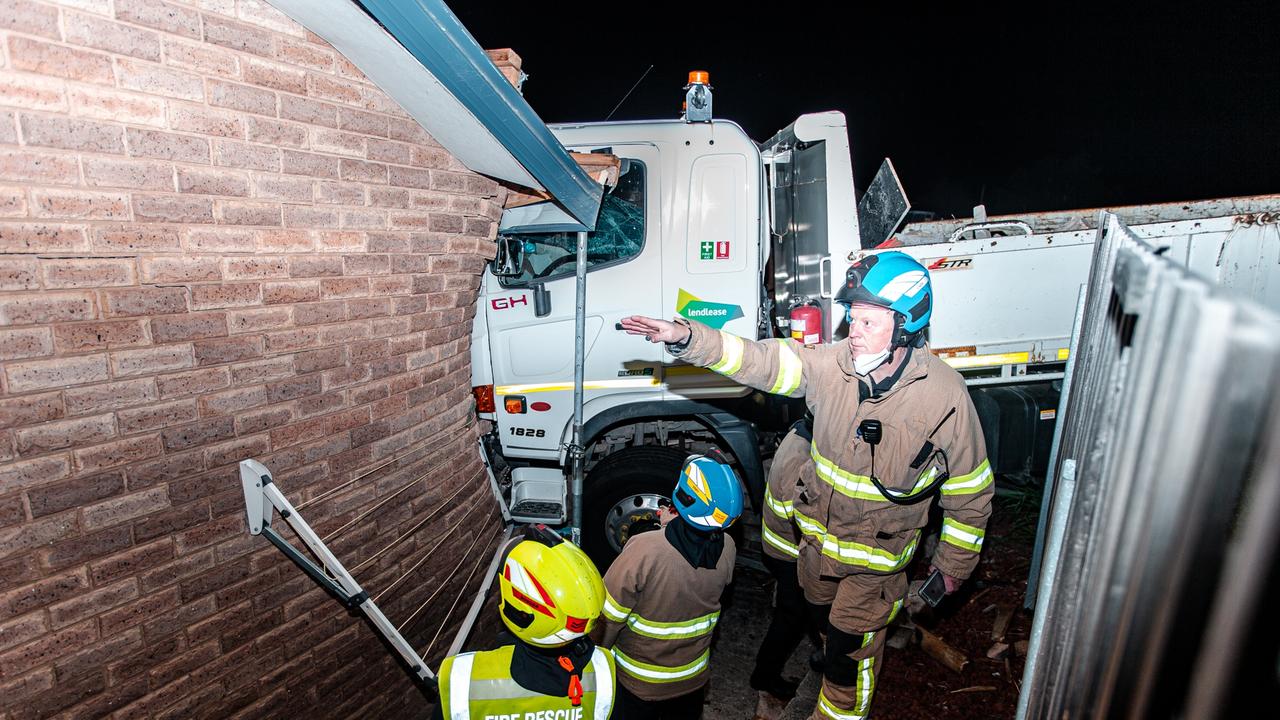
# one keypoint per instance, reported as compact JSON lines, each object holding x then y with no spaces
{"x":934,"y":589}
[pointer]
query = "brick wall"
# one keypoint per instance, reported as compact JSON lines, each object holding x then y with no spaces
{"x":219,"y":241}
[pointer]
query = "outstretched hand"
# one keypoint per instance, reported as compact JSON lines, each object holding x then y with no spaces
{"x":655,"y":330}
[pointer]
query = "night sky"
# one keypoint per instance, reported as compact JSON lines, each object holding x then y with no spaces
{"x":1002,"y":104}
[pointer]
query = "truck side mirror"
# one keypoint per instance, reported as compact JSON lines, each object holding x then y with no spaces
{"x":509,"y":258}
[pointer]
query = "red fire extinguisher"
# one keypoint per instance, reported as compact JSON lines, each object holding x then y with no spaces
{"x":806,"y":324}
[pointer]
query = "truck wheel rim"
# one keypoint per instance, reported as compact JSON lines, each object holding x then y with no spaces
{"x":630,"y":513}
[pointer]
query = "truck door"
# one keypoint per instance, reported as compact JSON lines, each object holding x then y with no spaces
{"x":533,"y":356}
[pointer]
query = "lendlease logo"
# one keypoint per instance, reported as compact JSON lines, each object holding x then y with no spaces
{"x":712,"y":314}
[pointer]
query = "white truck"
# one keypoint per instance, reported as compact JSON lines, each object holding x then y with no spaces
{"x":707,"y":224}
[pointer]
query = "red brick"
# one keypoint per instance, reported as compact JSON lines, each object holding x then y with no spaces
{"x":37,"y":167}
{"x":390,"y":151}
{"x":13,"y":200}
{"x":237,"y":36}
{"x":46,"y":374}
{"x":30,"y":409}
{"x":291,"y":340}
{"x":111,"y":104}
{"x":22,"y":630}
{"x":151,"y":604}
{"x":94,"y":659}
{"x":32,"y":92}
{"x":247,"y":213}
{"x":297,"y":433}
{"x":125,"y":508}
{"x":242,"y":155}
{"x":91,"y":546}
{"x":221,"y":295}
{"x":304,"y":54}
{"x":168,"y":469}
{"x":333,"y":193}
{"x":120,"y":452}
{"x":226,"y":350}
{"x":180,"y":269}
{"x":209,"y":533}
{"x":312,"y":112}
{"x":260,"y":13}
{"x":221,"y":240}
{"x":362,"y":122}
{"x":172,"y":209}
{"x":255,"y":421}
{"x":41,"y":594}
{"x":34,"y":534}
{"x":319,"y":313}
{"x":19,"y":475}
{"x":245,"y":98}
{"x":29,"y":18}
{"x":59,"y":61}
{"x":262,"y":370}
{"x":275,"y":76}
{"x":65,"y":433}
{"x":206,"y":121}
{"x":233,"y":402}
{"x":152,"y":360}
{"x":343,"y":377}
{"x":294,"y":388}
{"x":25,"y":343}
{"x":131,"y":562}
{"x":156,"y":416}
{"x":147,"y":77}
{"x":160,"y":15}
{"x":167,"y":146}
{"x":145,"y":301}
{"x":201,"y":433}
{"x":211,"y":181}
{"x":410,"y":177}
{"x":389,"y":197}
{"x":315,"y":266}
{"x":289,"y":241}
{"x":290,"y":189}
{"x":301,"y":216}
{"x":113,"y":37}
{"x":240,"y":321}
{"x":256,"y":268}
{"x":236,"y":450}
{"x":312,"y":165}
{"x":56,"y":497}
{"x":332,"y":89}
{"x":135,"y":174}
{"x":19,"y":273}
{"x":366,"y":264}
{"x":80,"y":205}
{"x":41,"y":239}
{"x":338,"y":143}
{"x":48,"y":648}
{"x":93,"y":603}
{"x":193,"y":383}
{"x":362,"y":171}
{"x":110,"y":396}
{"x":85,"y":272}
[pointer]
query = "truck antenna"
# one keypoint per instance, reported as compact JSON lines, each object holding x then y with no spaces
{"x":633,"y":89}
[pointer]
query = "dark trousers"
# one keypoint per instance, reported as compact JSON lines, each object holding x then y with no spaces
{"x":789,"y":624}
{"x":685,"y":707}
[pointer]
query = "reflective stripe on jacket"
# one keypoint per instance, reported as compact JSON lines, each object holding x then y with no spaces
{"x":836,"y":507}
{"x":477,"y":685}
{"x":659,"y":615}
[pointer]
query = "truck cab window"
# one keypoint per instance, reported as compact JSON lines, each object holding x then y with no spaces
{"x":618,"y":237}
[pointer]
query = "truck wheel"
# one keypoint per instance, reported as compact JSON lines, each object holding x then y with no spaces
{"x":620,"y":497}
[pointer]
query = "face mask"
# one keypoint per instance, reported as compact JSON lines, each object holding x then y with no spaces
{"x":863,"y":364}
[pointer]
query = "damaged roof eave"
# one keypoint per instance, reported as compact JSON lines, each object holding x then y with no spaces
{"x":430,"y":65}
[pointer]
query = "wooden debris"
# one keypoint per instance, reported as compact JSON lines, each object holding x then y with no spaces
{"x":939,"y":650}
{"x":974,"y":689}
{"x":998,"y":651}
{"x":1020,"y":648}
{"x":1001,"y":625}
{"x":974,"y":598}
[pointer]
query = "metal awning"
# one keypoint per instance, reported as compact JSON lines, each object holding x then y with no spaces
{"x":419,"y":53}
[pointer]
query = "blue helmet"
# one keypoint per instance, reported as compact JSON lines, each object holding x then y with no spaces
{"x":707,"y":495}
{"x":891,"y":280}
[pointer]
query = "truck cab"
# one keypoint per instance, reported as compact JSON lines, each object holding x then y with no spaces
{"x":689,"y":229}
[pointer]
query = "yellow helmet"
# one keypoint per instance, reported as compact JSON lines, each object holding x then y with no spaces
{"x":551,"y":591}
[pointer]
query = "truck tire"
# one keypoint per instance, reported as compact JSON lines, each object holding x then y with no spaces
{"x":620,"y":497}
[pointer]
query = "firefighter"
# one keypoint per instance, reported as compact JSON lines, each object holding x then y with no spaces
{"x":893,"y":428}
{"x":780,"y":541}
{"x":551,"y":597}
{"x":663,"y":596}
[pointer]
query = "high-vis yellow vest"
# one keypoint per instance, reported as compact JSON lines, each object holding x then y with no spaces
{"x":478,"y":686}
